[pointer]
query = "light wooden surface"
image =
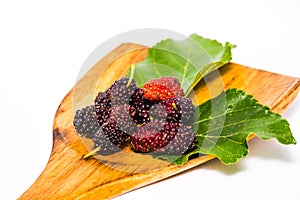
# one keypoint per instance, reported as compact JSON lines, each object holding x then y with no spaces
{"x":68,"y":176}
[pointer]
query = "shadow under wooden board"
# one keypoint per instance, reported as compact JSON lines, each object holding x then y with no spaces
{"x":68,"y":176}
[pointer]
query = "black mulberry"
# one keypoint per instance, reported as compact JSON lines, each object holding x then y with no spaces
{"x":113,"y":135}
{"x":85,"y":122}
{"x":142,"y":107}
{"x":119,"y":126}
{"x":121,"y":91}
{"x":122,"y":116}
{"x":177,"y":109}
{"x":184,"y":141}
{"x":103,"y":145}
{"x":102,"y":107}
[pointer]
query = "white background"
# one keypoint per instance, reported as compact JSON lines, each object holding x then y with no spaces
{"x":43,"y":45}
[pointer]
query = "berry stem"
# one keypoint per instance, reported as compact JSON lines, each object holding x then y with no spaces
{"x":91,"y":153}
{"x":174,"y":106}
{"x":132,"y":68}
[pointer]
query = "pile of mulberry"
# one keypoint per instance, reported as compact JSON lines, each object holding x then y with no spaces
{"x":155,"y":118}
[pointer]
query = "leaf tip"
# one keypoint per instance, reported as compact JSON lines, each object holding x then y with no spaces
{"x":294,"y":141}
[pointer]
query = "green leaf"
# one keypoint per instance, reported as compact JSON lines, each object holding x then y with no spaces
{"x":224,"y":123}
{"x":188,"y":60}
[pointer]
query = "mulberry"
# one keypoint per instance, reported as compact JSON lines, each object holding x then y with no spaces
{"x":113,"y":135}
{"x":103,"y":145}
{"x":120,"y":126}
{"x":172,"y":83}
{"x":85,"y":122}
{"x":102,"y":107}
{"x":162,"y":88}
{"x":117,"y":94}
{"x":142,"y":107}
{"x":184,"y":141}
{"x":153,"y":136}
{"x":122,"y":116}
{"x":121,"y":91}
{"x":178,"y":109}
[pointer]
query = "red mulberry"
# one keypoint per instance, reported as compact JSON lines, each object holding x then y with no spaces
{"x":153,"y":136}
{"x":162,"y":88}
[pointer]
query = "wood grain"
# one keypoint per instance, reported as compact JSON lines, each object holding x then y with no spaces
{"x":68,"y":176}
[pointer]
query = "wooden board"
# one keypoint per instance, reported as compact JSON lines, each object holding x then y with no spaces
{"x":68,"y":176}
